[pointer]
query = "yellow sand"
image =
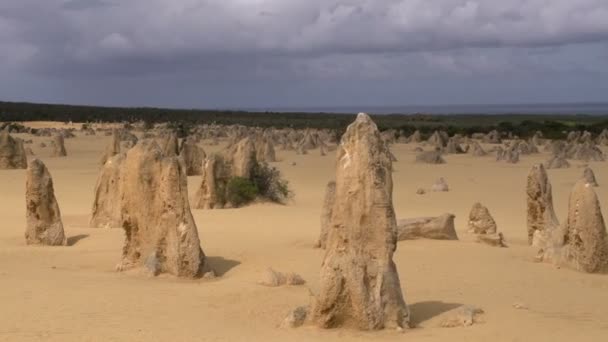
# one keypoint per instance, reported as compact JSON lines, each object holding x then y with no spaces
{"x":74,"y":294}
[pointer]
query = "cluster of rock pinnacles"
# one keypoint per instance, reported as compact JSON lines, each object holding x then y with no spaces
{"x":359,"y":283}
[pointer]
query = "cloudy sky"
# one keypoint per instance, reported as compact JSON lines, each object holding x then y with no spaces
{"x":267,"y":53}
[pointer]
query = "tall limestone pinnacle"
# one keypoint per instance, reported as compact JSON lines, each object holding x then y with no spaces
{"x":359,"y":284}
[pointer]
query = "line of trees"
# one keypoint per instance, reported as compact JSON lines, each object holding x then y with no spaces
{"x":523,"y":125}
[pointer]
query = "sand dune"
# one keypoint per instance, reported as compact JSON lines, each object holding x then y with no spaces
{"x":74,"y":294}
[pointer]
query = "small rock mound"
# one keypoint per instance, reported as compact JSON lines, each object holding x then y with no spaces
{"x":430,"y":157}
{"x":480,"y":220}
{"x":295,"y":318}
{"x":464,"y":316}
{"x":557,"y":162}
{"x":273,"y":278}
{"x":436,"y":228}
{"x":440,"y":186}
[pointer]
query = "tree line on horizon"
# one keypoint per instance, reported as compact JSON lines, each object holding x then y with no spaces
{"x":522,"y":125}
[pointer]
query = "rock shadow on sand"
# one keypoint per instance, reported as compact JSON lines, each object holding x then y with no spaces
{"x":221,"y":265}
{"x":424,"y":311}
{"x":72,"y":240}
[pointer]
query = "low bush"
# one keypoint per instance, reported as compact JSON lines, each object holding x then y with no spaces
{"x":269,"y":183}
{"x":240,"y":191}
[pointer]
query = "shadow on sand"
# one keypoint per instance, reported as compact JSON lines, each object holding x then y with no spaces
{"x":423,"y":311}
{"x":220,"y":265}
{"x":72,"y":240}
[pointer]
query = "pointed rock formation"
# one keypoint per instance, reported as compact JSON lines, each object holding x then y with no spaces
{"x":211,"y":193}
{"x":160,"y":231}
{"x":44,"y":226}
{"x":12,"y":152}
{"x":106,"y":211}
{"x":477,"y":150}
{"x":585,"y":243}
{"x":589,"y":176}
{"x":266,"y":152}
{"x":326,"y":212}
{"x":359,"y":284}
{"x":243,"y":158}
{"x":557,"y":162}
{"x":541,"y":218}
{"x":58,"y":146}
{"x":112,"y":149}
{"x":192,"y":156}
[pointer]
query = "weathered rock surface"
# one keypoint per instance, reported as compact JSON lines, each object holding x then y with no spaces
{"x":273,"y":278}
{"x":480,"y":220}
{"x":326,"y":212}
{"x":585,"y":241}
{"x":436,"y":228}
{"x":44,"y":225}
{"x":359,"y":285}
{"x":12,"y":153}
{"x":589,"y":176}
{"x":156,"y":215}
{"x":106,"y":211}
{"x":58,"y":146}
{"x":430,"y":157}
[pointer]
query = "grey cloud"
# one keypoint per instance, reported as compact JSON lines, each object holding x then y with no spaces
{"x":79,"y":5}
{"x":303,"y":41}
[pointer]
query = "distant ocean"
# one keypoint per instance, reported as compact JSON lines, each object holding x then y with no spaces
{"x":577,"y":108}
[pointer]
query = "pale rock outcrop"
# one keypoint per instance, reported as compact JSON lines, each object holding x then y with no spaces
{"x":435,"y":228}
{"x":541,"y":219}
{"x":112,"y":149}
{"x":170,"y":145}
{"x":243,"y":158}
{"x":326,"y":213}
{"x":58,"y":146}
{"x":359,"y":285}
{"x":295,"y":318}
{"x":557,"y":162}
{"x":585,"y":241}
{"x":266,"y":152}
{"x":440,"y":186}
{"x":430,"y":157}
{"x":477,"y":150}
{"x":44,"y":225}
{"x":160,"y":232}
{"x":480,"y":220}
{"x":589,"y":176}
{"x":192,"y":156}
{"x":273,"y":278}
{"x":463,"y":316}
{"x":210,"y":194}
{"x":12,"y":152}
{"x":106,"y":212}
{"x":494,"y":240}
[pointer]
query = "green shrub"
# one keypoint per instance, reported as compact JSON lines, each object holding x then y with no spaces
{"x":269,"y":183}
{"x":240,"y":191}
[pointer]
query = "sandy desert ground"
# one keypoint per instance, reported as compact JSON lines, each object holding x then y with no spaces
{"x":73,"y":293}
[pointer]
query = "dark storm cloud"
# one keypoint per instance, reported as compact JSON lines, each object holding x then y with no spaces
{"x":78,"y":5}
{"x":299,"y":39}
